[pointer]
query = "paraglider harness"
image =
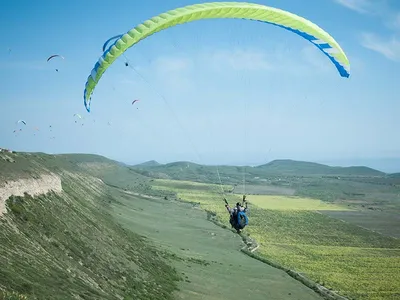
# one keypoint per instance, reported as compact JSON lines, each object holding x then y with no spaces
{"x":238,"y":219}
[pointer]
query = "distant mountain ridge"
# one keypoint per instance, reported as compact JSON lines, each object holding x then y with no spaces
{"x":150,"y":163}
{"x":277,"y":167}
{"x":288,"y":166}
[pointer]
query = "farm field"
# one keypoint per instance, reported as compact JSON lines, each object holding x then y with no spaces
{"x":355,"y":262}
{"x":264,"y":189}
{"x":293,"y":203}
{"x":386,"y":223}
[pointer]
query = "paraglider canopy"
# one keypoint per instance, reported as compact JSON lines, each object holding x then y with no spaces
{"x":55,"y":55}
{"x":232,"y":10}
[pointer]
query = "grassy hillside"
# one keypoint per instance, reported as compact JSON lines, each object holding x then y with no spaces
{"x":110,"y":234}
{"x":66,"y":246}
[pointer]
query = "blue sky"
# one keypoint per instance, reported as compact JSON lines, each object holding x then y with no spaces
{"x":214,"y":91}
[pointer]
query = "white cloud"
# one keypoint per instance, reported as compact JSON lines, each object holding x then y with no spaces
{"x":361,"y":6}
{"x":390,"y":48}
{"x":381,"y":9}
{"x":378,"y":8}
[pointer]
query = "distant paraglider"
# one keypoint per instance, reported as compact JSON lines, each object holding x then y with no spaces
{"x":18,"y":130}
{"x":79,"y":118}
{"x":77,"y":115}
{"x":53,"y":56}
{"x":134,"y":101}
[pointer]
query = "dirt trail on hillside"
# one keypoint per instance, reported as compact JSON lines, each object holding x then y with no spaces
{"x":34,"y":187}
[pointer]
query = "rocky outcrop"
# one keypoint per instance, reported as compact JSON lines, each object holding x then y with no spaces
{"x":33,"y":187}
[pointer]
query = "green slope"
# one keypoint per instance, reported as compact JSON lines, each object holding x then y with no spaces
{"x":66,"y":246}
{"x":72,"y":245}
